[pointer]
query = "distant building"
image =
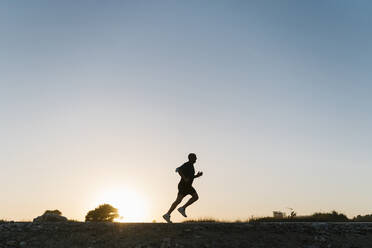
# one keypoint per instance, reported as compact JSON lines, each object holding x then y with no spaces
{"x":278,"y":214}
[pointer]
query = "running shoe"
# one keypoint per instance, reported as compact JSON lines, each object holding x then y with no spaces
{"x":166,"y":217}
{"x":182,"y":211}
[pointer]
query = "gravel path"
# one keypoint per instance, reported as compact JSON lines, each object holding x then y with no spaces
{"x":146,"y":235}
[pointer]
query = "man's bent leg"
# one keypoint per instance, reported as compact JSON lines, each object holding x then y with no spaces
{"x":193,"y":199}
{"x":175,"y":203}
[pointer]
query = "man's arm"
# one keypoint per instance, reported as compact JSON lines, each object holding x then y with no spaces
{"x":199,"y":174}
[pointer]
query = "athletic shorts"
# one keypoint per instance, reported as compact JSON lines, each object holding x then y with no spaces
{"x":185,"y":189}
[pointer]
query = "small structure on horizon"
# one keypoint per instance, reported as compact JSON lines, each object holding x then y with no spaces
{"x":278,"y":214}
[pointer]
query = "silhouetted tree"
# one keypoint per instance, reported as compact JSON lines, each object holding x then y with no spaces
{"x":104,"y":212}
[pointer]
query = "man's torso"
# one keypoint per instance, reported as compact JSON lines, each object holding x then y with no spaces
{"x":188,"y":170}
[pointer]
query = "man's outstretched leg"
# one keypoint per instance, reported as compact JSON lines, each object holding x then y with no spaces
{"x":193,"y":199}
{"x":173,"y":207}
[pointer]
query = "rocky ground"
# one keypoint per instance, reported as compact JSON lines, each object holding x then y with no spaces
{"x":79,"y":234}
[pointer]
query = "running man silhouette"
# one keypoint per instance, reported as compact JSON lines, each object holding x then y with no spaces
{"x":187,"y":173}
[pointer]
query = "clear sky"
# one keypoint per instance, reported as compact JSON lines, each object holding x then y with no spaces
{"x":100,"y":101}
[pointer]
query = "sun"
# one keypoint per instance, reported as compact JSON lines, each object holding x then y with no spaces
{"x":132,"y":206}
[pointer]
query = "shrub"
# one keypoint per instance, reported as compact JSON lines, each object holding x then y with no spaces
{"x":331,"y":217}
{"x":56,"y":212}
{"x":50,"y":216}
{"x":104,"y":212}
{"x":363,"y":218}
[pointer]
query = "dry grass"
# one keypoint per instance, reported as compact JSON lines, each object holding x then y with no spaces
{"x":73,"y":220}
{"x":316,"y":217}
{"x":203,"y":219}
{"x":214,"y":220}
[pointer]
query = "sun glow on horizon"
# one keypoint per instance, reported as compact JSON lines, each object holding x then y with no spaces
{"x":131,"y":206}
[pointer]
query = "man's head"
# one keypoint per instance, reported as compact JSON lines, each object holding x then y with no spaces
{"x":192,"y":157}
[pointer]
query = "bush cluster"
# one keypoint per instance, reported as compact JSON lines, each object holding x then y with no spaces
{"x":104,"y":212}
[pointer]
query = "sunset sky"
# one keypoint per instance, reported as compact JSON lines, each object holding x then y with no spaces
{"x":100,"y":101}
